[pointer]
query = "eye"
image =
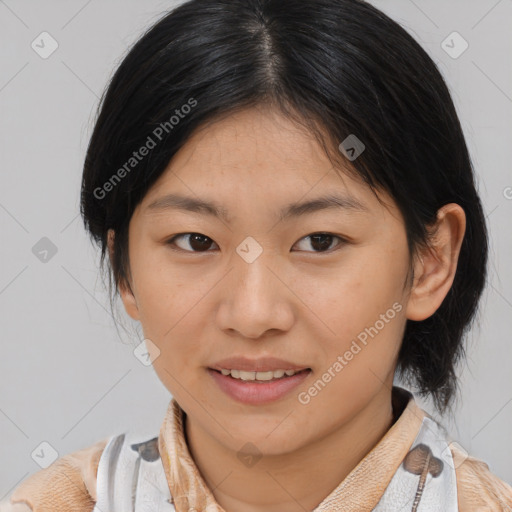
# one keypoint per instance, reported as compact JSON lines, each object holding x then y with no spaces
{"x":197,"y":241}
{"x":321,"y":242}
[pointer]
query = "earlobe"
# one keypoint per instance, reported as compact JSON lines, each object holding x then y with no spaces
{"x":129,"y":301}
{"x":435,"y":266}
{"x":127,"y":296}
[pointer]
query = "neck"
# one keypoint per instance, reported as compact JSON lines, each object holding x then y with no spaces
{"x":290,"y":481}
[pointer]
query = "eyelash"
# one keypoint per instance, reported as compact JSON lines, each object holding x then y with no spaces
{"x":342,"y":242}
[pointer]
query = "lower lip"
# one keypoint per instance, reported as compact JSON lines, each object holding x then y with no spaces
{"x":257,"y":393}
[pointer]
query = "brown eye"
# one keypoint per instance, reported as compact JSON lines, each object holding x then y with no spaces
{"x":195,"y":242}
{"x":321,"y":242}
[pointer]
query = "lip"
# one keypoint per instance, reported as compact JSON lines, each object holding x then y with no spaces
{"x":263,"y":364}
{"x":257,"y":393}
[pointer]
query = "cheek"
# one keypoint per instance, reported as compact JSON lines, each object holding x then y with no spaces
{"x":169,"y":306}
{"x":163,"y":290}
{"x":174,"y":312}
{"x":360,"y":357}
{"x":361,"y":315}
{"x":354,"y":295}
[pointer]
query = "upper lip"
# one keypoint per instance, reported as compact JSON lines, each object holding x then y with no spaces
{"x":264,"y":364}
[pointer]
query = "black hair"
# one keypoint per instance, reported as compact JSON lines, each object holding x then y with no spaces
{"x":339,"y":68}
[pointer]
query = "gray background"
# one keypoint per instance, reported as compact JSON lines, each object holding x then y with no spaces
{"x":66,"y":377}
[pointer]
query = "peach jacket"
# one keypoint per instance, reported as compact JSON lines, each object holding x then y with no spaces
{"x":412,"y":468}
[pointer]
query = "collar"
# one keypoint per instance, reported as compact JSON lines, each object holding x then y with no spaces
{"x":360,"y":491}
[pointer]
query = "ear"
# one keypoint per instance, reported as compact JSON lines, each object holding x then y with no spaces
{"x":125,"y":289}
{"x":434,"y":267}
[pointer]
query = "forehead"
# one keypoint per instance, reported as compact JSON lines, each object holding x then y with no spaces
{"x":255,"y":153}
{"x":252,"y":143}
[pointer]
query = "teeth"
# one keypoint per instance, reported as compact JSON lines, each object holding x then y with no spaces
{"x":243,"y":375}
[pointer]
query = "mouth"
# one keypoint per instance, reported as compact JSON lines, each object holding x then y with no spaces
{"x":258,"y":388}
{"x":259,"y":376}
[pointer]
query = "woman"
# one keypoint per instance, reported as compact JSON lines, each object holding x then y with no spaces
{"x":288,"y":205}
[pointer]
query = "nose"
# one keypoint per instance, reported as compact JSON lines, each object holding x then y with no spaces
{"x":255,"y":298}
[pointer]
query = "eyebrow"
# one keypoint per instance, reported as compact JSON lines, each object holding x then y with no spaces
{"x":292,"y":210}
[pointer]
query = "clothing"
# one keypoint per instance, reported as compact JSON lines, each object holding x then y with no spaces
{"x":411,"y":466}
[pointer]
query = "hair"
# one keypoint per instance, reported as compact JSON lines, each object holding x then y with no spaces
{"x":337,"y":67}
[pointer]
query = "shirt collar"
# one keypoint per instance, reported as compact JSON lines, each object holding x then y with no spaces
{"x":360,"y":491}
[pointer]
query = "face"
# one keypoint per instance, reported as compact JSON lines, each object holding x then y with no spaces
{"x":320,"y":287}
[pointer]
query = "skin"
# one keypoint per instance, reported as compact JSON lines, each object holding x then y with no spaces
{"x":294,"y":302}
